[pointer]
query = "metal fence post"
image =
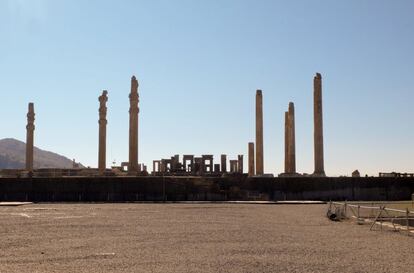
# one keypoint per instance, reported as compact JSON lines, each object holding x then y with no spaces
{"x":358,"y":212}
{"x":345,"y":210}
{"x":407,"y":212}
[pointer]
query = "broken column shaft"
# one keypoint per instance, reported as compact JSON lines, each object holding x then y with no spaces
{"x":318,"y":125}
{"x":291,"y":135}
{"x":240,"y":163}
{"x":30,"y":138}
{"x":133,"y":127}
{"x":223,"y":163}
{"x":259,"y":133}
{"x":102,"y":132}
{"x":251,"y":158}
{"x":286,"y":142}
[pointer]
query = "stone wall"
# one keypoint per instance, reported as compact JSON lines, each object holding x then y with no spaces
{"x":130,"y":189}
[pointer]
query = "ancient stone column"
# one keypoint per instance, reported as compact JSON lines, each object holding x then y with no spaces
{"x":233,"y":166}
{"x":251,"y":158}
{"x":133,"y":127}
{"x":286,"y":142}
{"x":318,"y":125}
{"x":291,"y":135}
{"x":259,"y":133}
{"x":240,"y":163}
{"x":30,"y":138}
{"x":102,"y":132}
{"x":223,"y":163}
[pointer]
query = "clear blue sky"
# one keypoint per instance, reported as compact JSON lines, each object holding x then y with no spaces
{"x":199,"y":63}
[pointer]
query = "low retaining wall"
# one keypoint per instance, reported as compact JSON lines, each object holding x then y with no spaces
{"x":130,"y":189}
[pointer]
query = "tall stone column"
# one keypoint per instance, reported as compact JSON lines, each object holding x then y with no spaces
{"x":259,"y":133}
{"x":251,"y":158}
{"x":223,"y":163}
{"x":133,"y":127}
{"x":30,"y":138}
{"x":240,"y":163}
{"x":318,"y":125}
{"x":102,"y":132}
{"x":287,"y":142}
{"x":292,"y":141}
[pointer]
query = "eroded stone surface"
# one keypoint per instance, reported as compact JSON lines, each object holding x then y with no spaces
{"x":30,"y":137}
{"x":259,"y":133}
{"x":318,"y":125}
{"x":102,"y":132}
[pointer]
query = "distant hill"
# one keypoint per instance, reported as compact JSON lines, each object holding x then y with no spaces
{"x":13,"y":156}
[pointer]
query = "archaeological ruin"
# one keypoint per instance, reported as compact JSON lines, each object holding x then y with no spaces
{"x":259,"y":133}
{"x":190,"y":164}
{"x":133,"y":127}
{"x":191,"y":177}
{"x":318,"y":123}
{"x":30,"y":138}
{"x":102,"y":132}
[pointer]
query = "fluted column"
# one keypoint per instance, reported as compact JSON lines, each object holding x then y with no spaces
{"x":318,"y":125}
{"x":292,"y":141}
{"x":223,"y":163}
{"x":251,"y":158}
{"x":133,"y":127}
{"x":286,"y":142}
{"x":30,"y":137}
{"x":240,"y":164}
{"x":259,"y":133}
{"x":102,"y":132}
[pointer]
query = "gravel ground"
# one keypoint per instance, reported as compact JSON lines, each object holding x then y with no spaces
{"x":193,"y":238}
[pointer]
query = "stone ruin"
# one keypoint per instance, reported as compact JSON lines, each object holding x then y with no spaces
{"x":196,"y":166}
{"x":204,"y":165}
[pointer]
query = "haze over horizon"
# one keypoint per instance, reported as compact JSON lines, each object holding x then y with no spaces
{"x":199,"y":64}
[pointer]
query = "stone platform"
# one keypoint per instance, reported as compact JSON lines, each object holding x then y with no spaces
{"x":159,"y":189}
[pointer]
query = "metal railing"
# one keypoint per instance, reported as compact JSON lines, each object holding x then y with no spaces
{"x":376,"y":216}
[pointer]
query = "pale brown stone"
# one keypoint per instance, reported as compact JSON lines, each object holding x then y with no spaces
{"x":240,"y":163}
{"x":234,"y":166}
{"x":30,"y":138}
{"x":292,"y":141}
{"x":286,"y":142}
{"x":207,"y":164}
{"x":188,"y":168}
{"x":223,"y":163}
{"x":251,"y":158}
{"x":102,"y":132}
{"x":259,"y":133}
{"x":133,"y":127}
{"x":318,"y":126}
{"x":156,"y":166}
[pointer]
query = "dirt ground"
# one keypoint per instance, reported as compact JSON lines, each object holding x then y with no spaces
{"x":193,"y":238}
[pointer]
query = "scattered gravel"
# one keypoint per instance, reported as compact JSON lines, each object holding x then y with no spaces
{"x":193,"y":238}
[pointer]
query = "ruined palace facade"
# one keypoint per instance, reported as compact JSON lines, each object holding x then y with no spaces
{"x":196,"y":166}
{"x":203,"y":165}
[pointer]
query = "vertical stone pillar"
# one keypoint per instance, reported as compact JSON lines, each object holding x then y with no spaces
{"x":287,"y":142}
{"x":233,"y":166}
{"x":240,"y":163}
{"x":30,"y":138}
{"x":259,"y":133}
{"x":223,"y":163}
{"x":251,"y":158}
{"x":133,"y":127}
{"x":292,"y":141}
{"x":318,"y":125}
{"x":102,"y":132}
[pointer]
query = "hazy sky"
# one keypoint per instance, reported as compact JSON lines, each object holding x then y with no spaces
{"x":199,"y":63}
